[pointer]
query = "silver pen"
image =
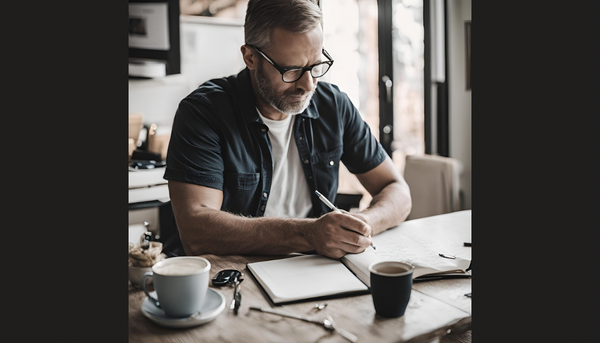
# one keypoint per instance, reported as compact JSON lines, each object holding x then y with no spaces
{"x":335,"y":209}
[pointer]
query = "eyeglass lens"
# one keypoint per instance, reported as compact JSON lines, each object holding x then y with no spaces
{"x":295,"y":74}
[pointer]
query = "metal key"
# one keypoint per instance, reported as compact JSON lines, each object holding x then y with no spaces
{"x":237,"y":297}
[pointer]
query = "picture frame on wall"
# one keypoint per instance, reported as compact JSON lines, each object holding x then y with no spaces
{"x":154,"y":38}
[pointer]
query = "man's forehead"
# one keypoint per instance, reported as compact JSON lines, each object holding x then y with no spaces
{"x":290,"y":40}
{"x":288,"y":45}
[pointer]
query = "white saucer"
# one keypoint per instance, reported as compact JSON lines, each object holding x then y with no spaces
{"x":213,"y":306}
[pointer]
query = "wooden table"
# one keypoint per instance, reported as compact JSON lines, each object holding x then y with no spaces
{"x":435,"y":308}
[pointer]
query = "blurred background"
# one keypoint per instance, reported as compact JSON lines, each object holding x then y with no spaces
{"x":405,"y":64}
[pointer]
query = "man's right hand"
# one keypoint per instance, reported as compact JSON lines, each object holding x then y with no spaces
{"x":334,"y":235}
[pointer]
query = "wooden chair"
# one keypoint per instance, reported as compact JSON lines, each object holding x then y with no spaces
{"x":434,"y":183}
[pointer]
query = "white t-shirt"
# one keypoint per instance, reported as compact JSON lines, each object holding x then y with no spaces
{"x":290,"y":196}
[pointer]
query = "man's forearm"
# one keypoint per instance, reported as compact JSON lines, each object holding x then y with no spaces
{"x":389,"y":208}
{"x":210,"y":231}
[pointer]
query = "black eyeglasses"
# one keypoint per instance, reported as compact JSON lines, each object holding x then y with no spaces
{"x":294,"y":74}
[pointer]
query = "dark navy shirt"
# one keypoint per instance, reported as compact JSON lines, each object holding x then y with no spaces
{"x":219,"y":141}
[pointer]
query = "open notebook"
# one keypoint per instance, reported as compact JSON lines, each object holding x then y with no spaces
{"x":307,"y":277}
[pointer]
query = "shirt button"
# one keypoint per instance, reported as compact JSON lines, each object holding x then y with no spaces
{"x":301,"y":138}
{"x":310,"y":177}
{"x":331,"y":163}
{"x":262,"y":208}
{"x":263,"y":129}
{"x":305,"y":161}
{"x":265,"y":194}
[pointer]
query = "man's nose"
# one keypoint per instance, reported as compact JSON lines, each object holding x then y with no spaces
{"x":306,"y":82}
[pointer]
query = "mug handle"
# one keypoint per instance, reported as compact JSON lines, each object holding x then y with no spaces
{"x":146,"y":275}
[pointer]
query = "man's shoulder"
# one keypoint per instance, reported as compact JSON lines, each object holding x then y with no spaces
{"x":330,"y":91}
{"x":326,"y":87}
{"x":213,"y":89}
{"x":218,"y":89}
{"x":329,"y":94}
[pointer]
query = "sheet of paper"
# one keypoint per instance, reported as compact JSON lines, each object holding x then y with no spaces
{"x":359,"y":264}
{"x":421,"y":251}
{"x":449,"y":231}
{"x":305,"y":277}
{"x":410,"y":243}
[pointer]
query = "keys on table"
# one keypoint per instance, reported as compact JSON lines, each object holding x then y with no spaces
{"x":237,"y":297}
{"x":231,"y":278}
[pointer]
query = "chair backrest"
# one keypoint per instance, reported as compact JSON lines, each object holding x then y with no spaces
{"x":434,"y":183}
{"x":169,"y":234}
{"x":347,"y":201}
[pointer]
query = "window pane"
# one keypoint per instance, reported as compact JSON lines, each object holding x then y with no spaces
{"x":350,"y":37}
{"x":408,"y":56}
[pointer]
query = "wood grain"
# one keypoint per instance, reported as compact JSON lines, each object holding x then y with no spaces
{"x":434,"y":308}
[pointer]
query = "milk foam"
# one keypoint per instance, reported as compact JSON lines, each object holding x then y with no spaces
{"x":179,"y":267}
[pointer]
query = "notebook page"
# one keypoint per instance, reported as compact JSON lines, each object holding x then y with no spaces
{"x":304,"y":277}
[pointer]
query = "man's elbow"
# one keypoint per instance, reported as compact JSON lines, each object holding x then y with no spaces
{"x":192,"y":243}
{"x":405,"y":202}
{"x":196,"y":238}
{"x":407,"y":207}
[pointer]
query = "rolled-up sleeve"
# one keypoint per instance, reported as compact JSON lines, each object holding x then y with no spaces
{"x":194,"y":152}
{"x":362,"y":152}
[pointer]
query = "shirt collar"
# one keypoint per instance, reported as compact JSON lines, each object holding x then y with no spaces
{"x":311,"y":111}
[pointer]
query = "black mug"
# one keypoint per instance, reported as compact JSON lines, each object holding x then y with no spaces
{"x":391,"y":286}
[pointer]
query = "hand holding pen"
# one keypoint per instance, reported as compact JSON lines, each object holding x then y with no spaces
{"x":335,"y":209}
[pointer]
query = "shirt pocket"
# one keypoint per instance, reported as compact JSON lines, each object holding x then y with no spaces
{"x":329,"y":159}
{"x":241,"y":193}
{"x":326,"y":166}
{"x":242,"y":181}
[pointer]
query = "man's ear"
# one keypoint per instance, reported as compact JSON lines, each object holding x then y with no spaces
{"x":249,"y":56}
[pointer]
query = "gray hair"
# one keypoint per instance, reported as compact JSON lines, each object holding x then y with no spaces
{"x":262,"y":16}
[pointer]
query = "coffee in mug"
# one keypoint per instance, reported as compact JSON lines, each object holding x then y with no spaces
{"x":391,"y":286}
{"x":181,"y":284}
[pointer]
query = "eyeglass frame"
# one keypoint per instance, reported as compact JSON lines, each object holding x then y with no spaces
{"x":304,"y":69}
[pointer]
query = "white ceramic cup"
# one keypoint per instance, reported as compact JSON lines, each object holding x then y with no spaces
{"x":181,"y":284}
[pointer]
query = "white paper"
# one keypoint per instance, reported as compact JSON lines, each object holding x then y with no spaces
{"x":305,"y":277}
{"x":410,"y":243}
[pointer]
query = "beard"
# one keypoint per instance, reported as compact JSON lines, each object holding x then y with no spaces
{"x":281,"y":102}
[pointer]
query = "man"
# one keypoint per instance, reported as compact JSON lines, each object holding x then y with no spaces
{"x":247,"y":152}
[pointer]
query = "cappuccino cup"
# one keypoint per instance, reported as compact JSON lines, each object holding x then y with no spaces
{"x":181,"y":284}
{"x":391,"y":286}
